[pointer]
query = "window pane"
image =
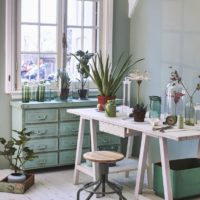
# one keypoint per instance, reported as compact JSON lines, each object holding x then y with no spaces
{"x":88,"y":39}
{"x":48,"y":10}
{"x":48,"y":39}
{"x":88,"y":13}
{"x":29,"y":10}
{"x":29,"y":67}
{"x":74,"y":12}
{"x":48,"y":67}
{"x":34,"y":68}
{"x":29,"y":38}
{"x":73,"y":40}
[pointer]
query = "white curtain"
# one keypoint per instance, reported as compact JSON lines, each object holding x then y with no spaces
{"x":132,"y":5}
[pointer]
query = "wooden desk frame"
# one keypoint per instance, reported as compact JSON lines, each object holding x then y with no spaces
{"x":146,"y":132}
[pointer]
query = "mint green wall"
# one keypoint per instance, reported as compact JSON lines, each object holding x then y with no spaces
{"x":166,"y":33}
{"x":120,"y":44}
{"x":5,"y":119}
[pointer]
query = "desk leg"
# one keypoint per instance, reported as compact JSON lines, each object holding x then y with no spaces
{"x":149,"y":170}
{"x":93,"y":132}
{"x":165,"y":168}
{"x":198,"y":153}
{"x":141,"y":164}
{"x":129,"y":150}
{"x":79,"y":150}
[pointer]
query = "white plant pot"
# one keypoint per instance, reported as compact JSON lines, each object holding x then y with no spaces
{"x":16,"y":178}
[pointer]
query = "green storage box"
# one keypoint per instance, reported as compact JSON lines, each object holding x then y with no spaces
{"x":185,"y":178}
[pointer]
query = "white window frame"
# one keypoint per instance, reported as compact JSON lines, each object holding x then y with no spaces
{"x":105,"y":43}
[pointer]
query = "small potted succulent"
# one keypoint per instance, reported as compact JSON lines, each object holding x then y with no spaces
{"x":64,"y":83}
{"x":83,"y":58}
{"x":17,"y":154}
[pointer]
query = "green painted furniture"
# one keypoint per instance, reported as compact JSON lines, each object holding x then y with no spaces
{"x":185,"y":178}
{"x":55,"y":131}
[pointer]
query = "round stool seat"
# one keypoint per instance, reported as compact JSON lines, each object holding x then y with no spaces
{"x":103,"y":156}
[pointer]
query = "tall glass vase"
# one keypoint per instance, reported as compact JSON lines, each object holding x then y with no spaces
{"x":174,"y":99}
{"x":190,"y":112}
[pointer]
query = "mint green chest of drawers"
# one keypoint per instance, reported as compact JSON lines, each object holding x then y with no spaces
{"x":55,"y":131}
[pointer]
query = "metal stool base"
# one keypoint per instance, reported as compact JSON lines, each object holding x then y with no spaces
{"x":92,"y":188}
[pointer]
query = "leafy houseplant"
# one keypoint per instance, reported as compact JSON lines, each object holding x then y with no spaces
{"x":108,"y":79}
{"x":83,"y":58}
{"x":16,"y":151}
{"x":64,"y":83}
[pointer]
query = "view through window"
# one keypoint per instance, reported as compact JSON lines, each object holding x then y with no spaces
{"x":49,"y":31}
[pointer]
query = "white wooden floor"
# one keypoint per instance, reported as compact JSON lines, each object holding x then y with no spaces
{"x":57,"y":185}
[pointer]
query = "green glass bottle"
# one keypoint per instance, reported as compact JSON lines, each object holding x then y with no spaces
{"x":41,"y":92}
{"x":25,"y":92}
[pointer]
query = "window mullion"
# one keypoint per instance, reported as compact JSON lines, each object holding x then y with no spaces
{"x":82,"y":25}
{"x":60,"y":31}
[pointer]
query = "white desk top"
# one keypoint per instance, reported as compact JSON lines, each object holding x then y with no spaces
{"x":187,"y":133}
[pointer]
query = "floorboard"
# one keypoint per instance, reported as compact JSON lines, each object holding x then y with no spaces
{"x":56,"y":184}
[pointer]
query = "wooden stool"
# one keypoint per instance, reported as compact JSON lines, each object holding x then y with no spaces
{"x":103,"y":158}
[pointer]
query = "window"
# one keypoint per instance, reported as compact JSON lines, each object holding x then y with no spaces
{"x":47,"y":31}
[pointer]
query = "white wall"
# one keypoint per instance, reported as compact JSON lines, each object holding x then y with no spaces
{"x":167,"y":32}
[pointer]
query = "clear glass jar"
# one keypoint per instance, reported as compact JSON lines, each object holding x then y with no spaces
{"x":190,"y":116}
{"x":155,"y":107}
{"x":174,"y":99}
{"x":25,"y":93}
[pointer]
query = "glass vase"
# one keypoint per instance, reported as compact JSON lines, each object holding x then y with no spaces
{"x":155,"y":107}
{"x":174,"y":99}
{"x":190,"y":112}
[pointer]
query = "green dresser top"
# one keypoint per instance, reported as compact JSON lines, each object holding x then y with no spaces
{"x":70,"y":103}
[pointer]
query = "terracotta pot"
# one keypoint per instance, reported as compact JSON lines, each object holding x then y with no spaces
{"x":102,"y":100}
{"x":139,"y":116}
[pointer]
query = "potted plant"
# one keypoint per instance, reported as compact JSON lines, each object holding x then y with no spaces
{"x":17,"y":154}
{"x":64,"y":83}
{"x":83,"y":58}
{"x":108,"y":79}
{"x":139,"y":109}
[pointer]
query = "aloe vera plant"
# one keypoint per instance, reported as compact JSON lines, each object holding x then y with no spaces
{"x":109,"y":79}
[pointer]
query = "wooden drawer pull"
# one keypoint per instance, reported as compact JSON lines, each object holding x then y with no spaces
{"x":44,"y":117}
{"x":42,"y":162}
{"x":42,"y":147}
{"x":75,"y":130}
{"x":105,"y":140}
{"x":75,"y":116}
{"x":41,"y":132}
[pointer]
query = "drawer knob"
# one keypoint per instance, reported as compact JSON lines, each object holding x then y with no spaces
{"x":43,"y":147}
{"x":74,"y":130}
{"x":43,"y":117}
{"x":42,"y":132}
{"x":42,"y":162}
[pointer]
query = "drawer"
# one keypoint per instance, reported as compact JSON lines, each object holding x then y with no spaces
{"x":71,"y":142}
{"x":43,"y":145}
{"x":41,"y":116}
{"x":43,"y":160}
{"x":71,"y":128}
{"x":65,"y":116}
{"x":107,"y":139}
{"x":42,"y":130}
{"x":68,"y":157}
